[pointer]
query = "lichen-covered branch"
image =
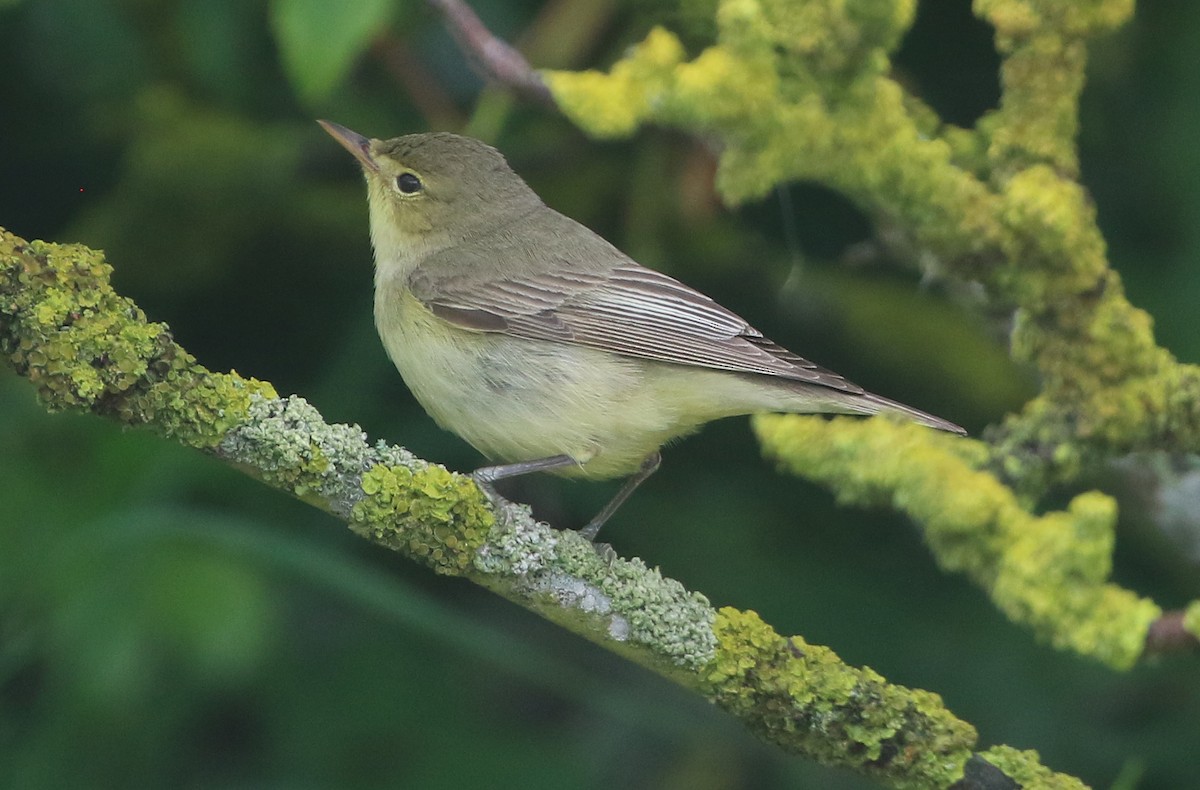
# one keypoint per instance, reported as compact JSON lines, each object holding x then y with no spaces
{"x":1048,"y":572}
{"x":86,"y":348}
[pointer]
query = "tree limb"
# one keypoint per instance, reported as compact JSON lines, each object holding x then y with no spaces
{"x":86,"y":348}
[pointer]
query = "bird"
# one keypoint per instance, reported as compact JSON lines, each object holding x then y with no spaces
{"x":544,"y":346}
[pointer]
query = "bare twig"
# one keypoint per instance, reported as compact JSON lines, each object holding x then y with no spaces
{"x":498,"y":60}
{"x":1167,"y":635}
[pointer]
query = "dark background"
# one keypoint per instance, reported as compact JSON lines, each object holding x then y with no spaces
{"x":167,"y":622}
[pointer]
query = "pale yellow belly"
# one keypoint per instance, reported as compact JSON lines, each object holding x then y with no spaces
{"x":517,"y":400}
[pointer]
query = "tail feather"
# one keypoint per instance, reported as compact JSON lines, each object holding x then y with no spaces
{"x":870,"y":403}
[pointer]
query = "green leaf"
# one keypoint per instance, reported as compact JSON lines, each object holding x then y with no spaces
{"x":319,"y":40}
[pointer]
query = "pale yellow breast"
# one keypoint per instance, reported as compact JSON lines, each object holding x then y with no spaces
{"x":516,"y":400}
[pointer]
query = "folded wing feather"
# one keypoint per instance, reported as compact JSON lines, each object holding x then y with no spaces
{"x":626,"y":309}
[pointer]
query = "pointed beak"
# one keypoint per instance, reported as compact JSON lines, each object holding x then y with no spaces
{"x":353,"y":142}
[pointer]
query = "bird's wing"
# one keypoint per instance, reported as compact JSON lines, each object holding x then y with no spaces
{"x":626,"y":309}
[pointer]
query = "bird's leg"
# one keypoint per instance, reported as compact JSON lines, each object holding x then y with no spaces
{"x":649,"y":467}
{"x":486,"y":475}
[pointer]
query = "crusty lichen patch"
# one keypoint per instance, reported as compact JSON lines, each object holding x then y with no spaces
{"x":287,"y":443}
{"x":1023,"y":768}
{"x":571,"y":581}
{"x":804,"y":698}
{"x":426,"y":512}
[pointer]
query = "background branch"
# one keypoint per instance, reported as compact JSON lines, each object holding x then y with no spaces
{"x":495,"y":58}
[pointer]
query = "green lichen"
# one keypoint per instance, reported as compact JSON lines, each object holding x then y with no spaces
{"x":1016,"y":19}
{"x":86,"y":348}
{"x":1080,"y":420}
{"x":1024,"y":768}
{"x":1053,"y":240}
{"x":805,"y":699}
{"x":657,"y":611}
{"x":286,"y":443}
{"x":1043,"y":45}
{"x":768,"y":51}
{"x":618,"y":102}
{"x":563,"y":576}
{"x":427,"y":513}
{"x":1049,"y":572}
{"x":1038,"y":117}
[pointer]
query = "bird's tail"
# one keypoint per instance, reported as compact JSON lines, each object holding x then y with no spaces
{"x":870,"y":403}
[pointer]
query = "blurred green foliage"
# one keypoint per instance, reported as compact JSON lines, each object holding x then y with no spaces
{"x":165,"y":621}
{"x":320,"y":41}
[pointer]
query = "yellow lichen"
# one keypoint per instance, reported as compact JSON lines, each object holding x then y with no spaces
{"x":428,"y":514}
{"x":804,"y":698}
{"x":1023,"y":768}
{"x":86,"y":347}
{"x":1020,"y":18}
{"x":728,"y":88}
{"x":1049,"y":572}
{"x":613,"y":105}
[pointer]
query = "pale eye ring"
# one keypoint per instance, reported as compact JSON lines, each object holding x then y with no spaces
{"x":409,"y":184}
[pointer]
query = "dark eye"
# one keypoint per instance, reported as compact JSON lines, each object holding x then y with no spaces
{"x":408,"y":183}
